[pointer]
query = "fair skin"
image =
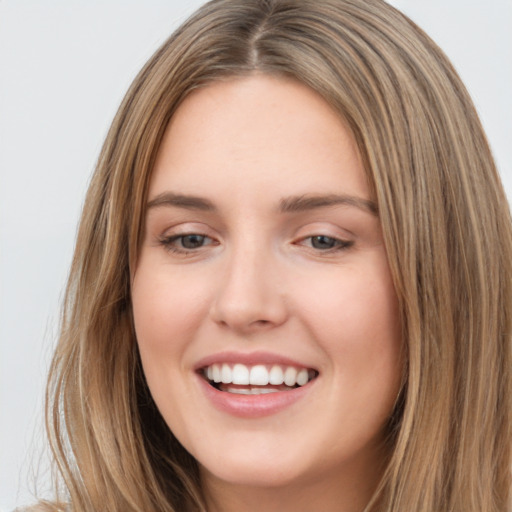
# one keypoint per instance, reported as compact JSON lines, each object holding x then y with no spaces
{"x":263,"y":248}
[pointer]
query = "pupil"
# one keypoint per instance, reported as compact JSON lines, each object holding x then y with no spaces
{"x":192,"y":241}
{"x":322,"y":242}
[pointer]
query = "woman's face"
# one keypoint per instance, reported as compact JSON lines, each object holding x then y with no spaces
{"x":263,"y":260}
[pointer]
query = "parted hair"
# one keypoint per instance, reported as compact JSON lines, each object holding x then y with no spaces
{"x":446,"y":227}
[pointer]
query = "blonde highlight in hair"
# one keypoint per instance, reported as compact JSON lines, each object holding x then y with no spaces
{"x":446,"y":227}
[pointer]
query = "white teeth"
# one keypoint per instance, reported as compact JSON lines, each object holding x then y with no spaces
{"x":239,"y":391}
{"x":302,"y":377}
{"x":240,"y":374}
{"x":226,"y":374}
{"x":251,"y":391}
{"x":290,"y":376}
{"x":217,"y":377}
{"x":263,"y":391}
{"x":258,"y":375}
{"x":276,"y":376}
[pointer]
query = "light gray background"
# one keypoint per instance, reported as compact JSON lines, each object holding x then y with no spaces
{"x":64,"y":67}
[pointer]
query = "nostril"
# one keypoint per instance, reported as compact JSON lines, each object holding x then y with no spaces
{"x":246,"y":300}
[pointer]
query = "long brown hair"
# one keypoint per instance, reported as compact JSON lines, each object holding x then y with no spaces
{"x":446,"y":227}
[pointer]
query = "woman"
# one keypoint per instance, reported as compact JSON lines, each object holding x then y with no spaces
{"x":292,"y":278}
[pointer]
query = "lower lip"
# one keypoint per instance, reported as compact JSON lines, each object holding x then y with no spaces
{"x":253,"y":406}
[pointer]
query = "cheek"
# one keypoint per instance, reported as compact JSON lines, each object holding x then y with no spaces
{"x":353,"y":314}
{"x":166,"y":309}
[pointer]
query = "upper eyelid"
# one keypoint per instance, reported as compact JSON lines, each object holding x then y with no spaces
{"x":324,"y":229}
{"x":187,"y":228}
{"x":308,"y":232}
{"x":343,"y":241}
{"x":303,"y":230}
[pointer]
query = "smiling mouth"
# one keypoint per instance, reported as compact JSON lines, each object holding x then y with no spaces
{"x":256,"y":379}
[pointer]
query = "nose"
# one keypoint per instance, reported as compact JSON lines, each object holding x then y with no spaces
{"x":250,"y":295}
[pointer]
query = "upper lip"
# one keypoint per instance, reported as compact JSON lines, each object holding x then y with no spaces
{"x":249,"y":359}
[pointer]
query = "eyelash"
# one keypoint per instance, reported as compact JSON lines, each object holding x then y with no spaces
{"x":337,"y":243}
{"x":170,"y":243}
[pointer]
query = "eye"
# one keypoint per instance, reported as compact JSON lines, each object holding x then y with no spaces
{"x":326,"y":243}
{"x":192,"y":241}
{"x":186,"y":243}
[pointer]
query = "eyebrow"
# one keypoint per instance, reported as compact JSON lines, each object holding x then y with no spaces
{"x":293,"y":204}
{"x":311,"y":202}
{"x":181,"y":201}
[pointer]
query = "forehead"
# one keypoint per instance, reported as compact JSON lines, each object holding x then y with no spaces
{"x":257,"y":131}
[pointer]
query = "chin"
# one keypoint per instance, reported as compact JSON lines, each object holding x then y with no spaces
{"x":256,"y":475}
